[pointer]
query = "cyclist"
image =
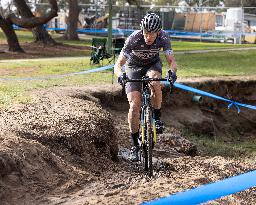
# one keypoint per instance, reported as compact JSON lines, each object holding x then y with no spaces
{"x":140,"y":55}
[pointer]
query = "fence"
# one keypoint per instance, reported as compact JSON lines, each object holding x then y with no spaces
{"x":197,"y":23}
{"x":184,"y":23}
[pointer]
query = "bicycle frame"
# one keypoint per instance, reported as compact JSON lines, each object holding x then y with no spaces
{"x":147,"y":125}
{"x":146,"y":117}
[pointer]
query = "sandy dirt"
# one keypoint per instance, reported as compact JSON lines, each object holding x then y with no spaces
{"x":63,"y":149}
{"x":68,"y":146}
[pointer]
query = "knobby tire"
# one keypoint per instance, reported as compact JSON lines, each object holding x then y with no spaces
{"x":148,"y":145}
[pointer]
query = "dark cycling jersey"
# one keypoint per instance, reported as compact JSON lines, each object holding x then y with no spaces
{"x":137,"y":52}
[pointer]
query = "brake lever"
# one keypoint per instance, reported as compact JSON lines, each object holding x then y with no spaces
{"x":123,"y":88}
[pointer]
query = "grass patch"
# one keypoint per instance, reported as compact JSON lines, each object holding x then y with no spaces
{"x":17,"y":91}
{"x":212,"y":146}
{"x":216,"y":64}
{"x":82,"y":42}
{"x":12,"y":94}
{"x":206,"y":64}
{"x":189,"y":65}
{"x":188,"y":46}
{"x":44,"y":67}
{"x":23,"y":36}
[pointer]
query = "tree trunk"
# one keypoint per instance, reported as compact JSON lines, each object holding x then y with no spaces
{"x":40,"y":34}
{"x":11,"y":36}
{"x":71,"y":33}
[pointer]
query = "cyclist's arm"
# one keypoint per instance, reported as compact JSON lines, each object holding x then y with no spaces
{"x":119,"y":64}
{"x":166,"y":42}
{"x":124,"y":55}
{"x":171,"y":62}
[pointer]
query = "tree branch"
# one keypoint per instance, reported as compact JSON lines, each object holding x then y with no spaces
{"x":35,"y":21}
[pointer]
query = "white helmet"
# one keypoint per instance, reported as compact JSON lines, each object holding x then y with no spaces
{"x":151,"y":23}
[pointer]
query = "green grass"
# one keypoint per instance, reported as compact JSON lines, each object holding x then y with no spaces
{"x":15,"y":90}
{"x":211,"y":146}
{"x":188,"y":46}
{"x":189,"y":65}
{"x":12,"y":92}
{"x":44,"y":67}
{"x":207,"y":64}
{"x":216,"y":64}
{"x":23,"y":36}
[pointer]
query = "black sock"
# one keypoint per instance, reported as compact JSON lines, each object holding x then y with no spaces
{"x":135,"y":137}
{"x":157,"y":113}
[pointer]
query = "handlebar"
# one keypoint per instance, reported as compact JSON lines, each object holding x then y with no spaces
{"x":145,"y":80}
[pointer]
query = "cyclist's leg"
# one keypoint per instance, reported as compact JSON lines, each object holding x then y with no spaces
{"x":155,"y":71}
{"x":133,"y":90}
{"x":134,"y":99}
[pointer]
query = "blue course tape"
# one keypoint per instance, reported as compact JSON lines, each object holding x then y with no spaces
{"x":231,"y":102}
{"x":178,"y":85}
{"x":209,"y":192}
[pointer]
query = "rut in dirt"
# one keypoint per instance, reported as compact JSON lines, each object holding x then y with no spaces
{"x":68,"y":138}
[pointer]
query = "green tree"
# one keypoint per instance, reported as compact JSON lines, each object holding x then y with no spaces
{"x":168,"y":2}
{"x":211,"y":3}
{"x":244,"y":3}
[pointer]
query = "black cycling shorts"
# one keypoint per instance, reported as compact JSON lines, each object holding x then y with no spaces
{"x":137,"y":72}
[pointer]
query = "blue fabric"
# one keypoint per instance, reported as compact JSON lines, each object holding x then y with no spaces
{"x":177,"y":85}
{"x":231,"y":103}
{"x":209,"y":192}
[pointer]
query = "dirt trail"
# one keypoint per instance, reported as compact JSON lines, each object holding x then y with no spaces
{"x":53,"y":145}
{"x":63,"y":147}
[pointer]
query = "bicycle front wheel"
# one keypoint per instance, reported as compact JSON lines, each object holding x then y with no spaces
{"x":149,"y":142}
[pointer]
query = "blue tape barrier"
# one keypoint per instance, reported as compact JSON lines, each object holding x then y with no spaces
{"x":127,"y":32}
{"x":231,"y":102}
{"x":209,"y":192}
{"x":178,"y":85}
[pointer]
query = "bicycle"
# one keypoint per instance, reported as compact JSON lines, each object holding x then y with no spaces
{"x":148,"y":135}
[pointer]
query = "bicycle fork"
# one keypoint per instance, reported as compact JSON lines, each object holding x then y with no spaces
{"x":145,"y":119}
{"x":142,"y":124}
{"x":154,"y":129}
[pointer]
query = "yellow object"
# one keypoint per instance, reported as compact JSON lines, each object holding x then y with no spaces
{"x":250,"y":38}
{"x":142,"y":133}
{"x":154,"y":130}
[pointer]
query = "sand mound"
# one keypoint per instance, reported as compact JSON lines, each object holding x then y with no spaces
{"x":49,"y":144}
